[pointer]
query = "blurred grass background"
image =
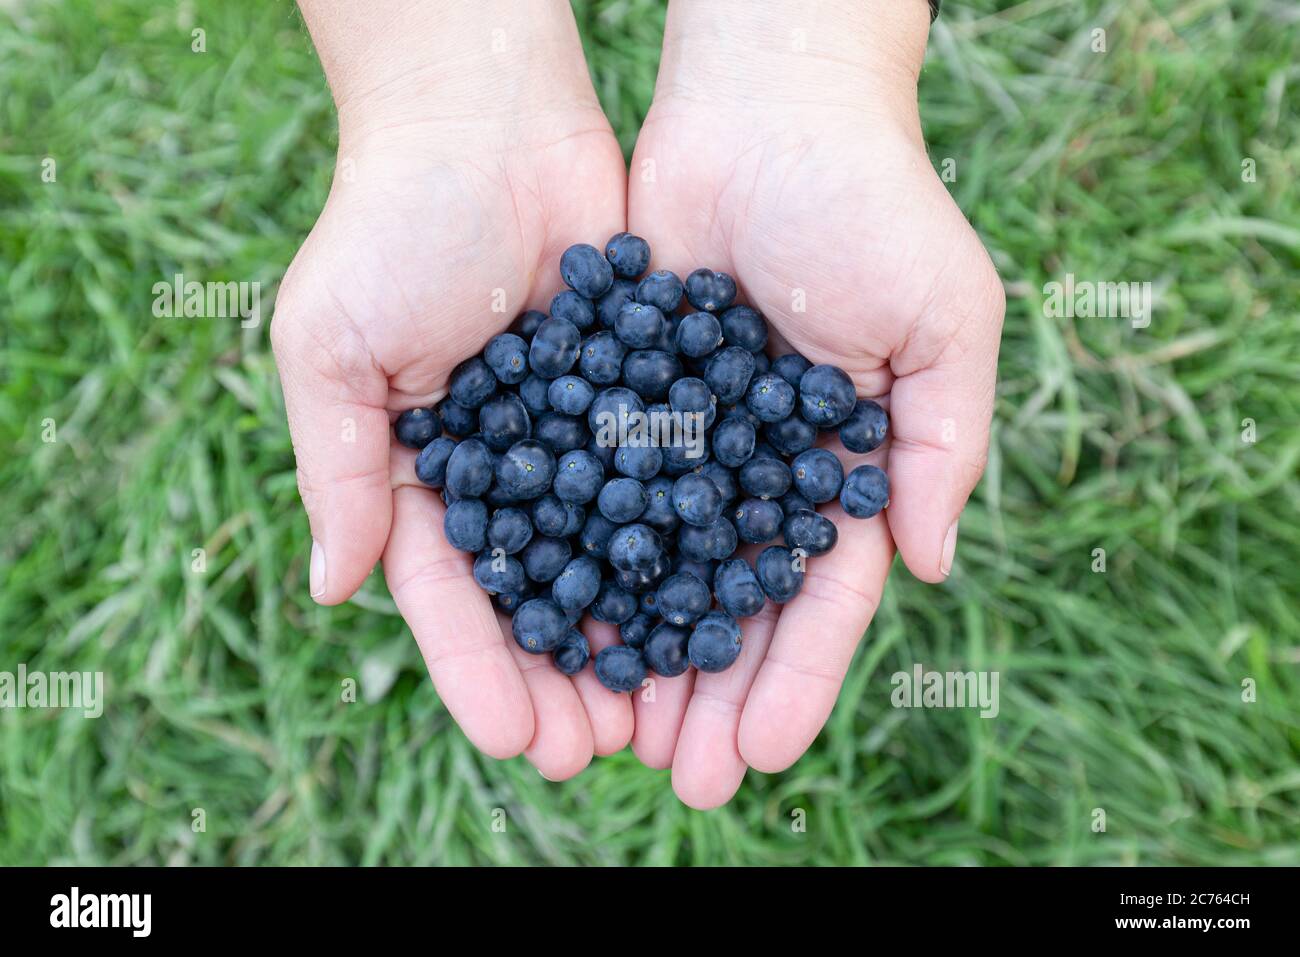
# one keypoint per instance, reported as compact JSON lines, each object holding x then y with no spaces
{"x":1120,"y":690}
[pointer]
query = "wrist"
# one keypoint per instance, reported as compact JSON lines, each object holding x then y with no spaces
{"x":457,"y":67}
{"x":842,"y":54}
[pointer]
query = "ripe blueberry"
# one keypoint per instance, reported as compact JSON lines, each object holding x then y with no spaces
{"x":815,"y":534}
{"x":709,"y":290}
{"x":554,"y":348}
{"x":737,"y":588}
{"x":865,"y":492}
{"x":665,"y":650}
{"x":620,"y":668}
{"x":465,"y":525}
{"x":544,"y":558}
{"x":826,"y":396}
{"x":697,"y":499}
{"x":866,"y":427}
{"x":572,"y":653}
{"x":472,"y":383}
{"x":770,"y":397}
{"x":578,"y":477}
{"x":510,"y":529}
{"x":622,"y":500}
{"x":469,"y":469}
{"x":586,"y":271}
{"x":539,"y":625}
{"x":507,"y":357}
{"x":661,"y":289}
{"x":780,"y":573}
{"x":715,"y":643}
{"x":744,"y":327}
{"x":576,"y":586}
{"x":628,"y":254}
{"x":682,"y":598}
{"x":577,"y":309}
{"x":416,"y":428}
{"x":431,"y":463}
{"x":526,"y":469}
{"x":757,"y":520}
{"x":817,"y":474}
{"x":698,"y":334}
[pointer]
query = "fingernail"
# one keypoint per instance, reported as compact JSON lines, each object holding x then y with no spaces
{"x":544,"y":777}
{"x":949,"y":549}
{"x":317,"y":569}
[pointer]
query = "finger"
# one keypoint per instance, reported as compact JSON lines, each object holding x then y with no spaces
{"x":814,"y":642}
{"x":707,"y":765}
{"x":939,"y":428}
{"x":456,"y":628}
{"x":562,"y":742}
{"x":660,"y":707}
{"x":610,"y":715}
{"x":334,"y":394}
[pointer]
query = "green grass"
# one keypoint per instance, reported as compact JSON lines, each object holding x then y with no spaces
{"x":1120,"y":691}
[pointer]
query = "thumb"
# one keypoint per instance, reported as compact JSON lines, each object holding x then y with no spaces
{"x":940,"y":413}
{"x":335,"y":395}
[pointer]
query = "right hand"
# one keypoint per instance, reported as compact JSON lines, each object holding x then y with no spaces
{"x":437,"y":208}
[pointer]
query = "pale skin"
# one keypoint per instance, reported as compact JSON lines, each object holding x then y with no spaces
{"x":783,"y":147}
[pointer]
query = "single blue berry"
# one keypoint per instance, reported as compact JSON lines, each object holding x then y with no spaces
{"x":539,"y":625}
{"x":744,"y":327}
{"x":780,"y":572}
{"x":698,"y":334}
{"x":472,"y":382}
{"x":757,"y":520}
{"x":577,"y":309}
{"x":620,"y":668}
{"x":682,"y":598}
{"x":416,"y":428}
{"x":737,"y":589}
{"x":465,"y":525}
{"x":572,"y":653}
{"x":578,"y":477}
{"x":826,"y":396}
{"x":709,"y":290}
{"x":865,"y":491}
{"x":813,"y":533}
{"x":817,"y":474}
{"x":526,"y":469}
{"x":715,"y":643}
{"x":507,"y":357}
{"x":510,"y":529}
{"x":770,"y":397}
{"x":554,"y":348}
{"x":665,"y":650}
{"x":503,"y":420}
{"x":628,"y":254}
{"x":571,"y":395}
{"x":586,"y":271}
{"x":661,"y":289}
{"x":431,"y":463}
{"x":866,"y":427}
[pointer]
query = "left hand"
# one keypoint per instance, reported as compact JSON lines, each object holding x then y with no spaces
{"x":803,"y":174}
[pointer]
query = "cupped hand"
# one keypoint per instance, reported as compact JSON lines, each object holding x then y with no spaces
{"x":442,"y":224}
{"x":830,"y":217}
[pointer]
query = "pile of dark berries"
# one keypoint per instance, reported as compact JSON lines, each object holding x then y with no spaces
{"x":563,"y":520}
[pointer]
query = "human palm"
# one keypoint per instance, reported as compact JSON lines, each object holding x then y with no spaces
{"x":431,"y":242}
{"x":835,"y":226}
